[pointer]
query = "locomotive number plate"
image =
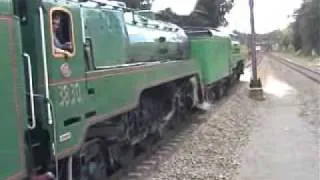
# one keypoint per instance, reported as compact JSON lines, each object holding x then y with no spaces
{"x":69,"y":94}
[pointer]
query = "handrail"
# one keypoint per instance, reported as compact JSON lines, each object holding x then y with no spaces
{"x":31,"y":92}
{"x":46,"y":84}
{"x":45,"y":63}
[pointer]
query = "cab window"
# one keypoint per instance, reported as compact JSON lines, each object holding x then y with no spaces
{"x":62,"y":33}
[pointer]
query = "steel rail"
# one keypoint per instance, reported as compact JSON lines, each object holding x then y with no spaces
{"x":306,"y":71}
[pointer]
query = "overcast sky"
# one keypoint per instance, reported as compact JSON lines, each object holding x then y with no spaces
{"x":269,"y":14}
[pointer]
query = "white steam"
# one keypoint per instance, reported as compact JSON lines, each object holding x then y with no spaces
{"x":180,"y":7}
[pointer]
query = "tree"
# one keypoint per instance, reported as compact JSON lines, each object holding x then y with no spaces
{"x":209,"y":13}
{"x":286,"y":37}
{"x":296,"y":37}
{"x":146,"y":4}
{"x":138,"y":4}
{"x":132,"y":3}
{"x":306,"y":33}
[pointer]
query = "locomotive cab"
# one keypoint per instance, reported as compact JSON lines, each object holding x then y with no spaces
{"x":62,"y":33}
{"x":71,"y":69}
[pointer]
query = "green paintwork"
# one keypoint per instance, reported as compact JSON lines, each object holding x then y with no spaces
{"x":152,"y":40}
{"x":236,"y":56}
{"x":150,"y":51}
{"x":6,"y":7}
{"x":13,"y":116}
{"x":76,"y":61}
{"x":112,"y":92}
{"x":106,"y":92}
{"x":109,"y":38}
{"x":213,"y":54}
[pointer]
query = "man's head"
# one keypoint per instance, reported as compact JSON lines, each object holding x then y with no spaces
{"x":56,"y":22}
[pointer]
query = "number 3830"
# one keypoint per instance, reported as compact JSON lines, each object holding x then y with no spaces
{"x":69,"y":94}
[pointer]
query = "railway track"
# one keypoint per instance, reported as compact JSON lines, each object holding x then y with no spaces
{"x":310,"y":73}
{"x":150,"y":158}
{"x":142,"y":165}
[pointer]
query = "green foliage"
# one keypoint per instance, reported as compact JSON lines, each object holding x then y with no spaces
{"x":209,"y":13}
{"x":283,"y":38}
{"x":306,"y":28}
{"x":132,"y":3}
{"x":286,"y":37}
{"x":303,"y":35}
{"x":138,"y":4}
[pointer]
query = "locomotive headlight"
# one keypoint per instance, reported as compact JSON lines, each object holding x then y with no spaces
{"x":65,"y":70}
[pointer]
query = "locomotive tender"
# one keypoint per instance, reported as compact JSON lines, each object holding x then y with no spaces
{"x":86,"y":82}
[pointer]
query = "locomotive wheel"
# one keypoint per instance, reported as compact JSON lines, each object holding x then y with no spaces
{"x":238,"y":77}
{"x":126,"y":155}
{"x":235,"y":78}
{"x":226,"y":87}
{"x":159,"y":133}
{"x":211,"y":95}
{"x":93,"y":161}
{"x":181,"y":106}
{"x":218,"y":91}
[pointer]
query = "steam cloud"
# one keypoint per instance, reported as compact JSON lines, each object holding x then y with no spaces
{"x":180,"y":7}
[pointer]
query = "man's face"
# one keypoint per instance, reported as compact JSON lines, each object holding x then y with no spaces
{"x":56,"y":24}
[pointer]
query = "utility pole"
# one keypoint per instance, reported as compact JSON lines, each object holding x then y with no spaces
{"x":253,"y":43}
{"x":255,"y":90}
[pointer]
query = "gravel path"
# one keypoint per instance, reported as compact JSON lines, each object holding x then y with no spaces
{"x":278,"y":138}
{"x":212,"y":150}
{"x":285,"y":145}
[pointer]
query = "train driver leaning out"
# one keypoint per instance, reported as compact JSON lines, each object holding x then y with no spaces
{"x":59,"y":47}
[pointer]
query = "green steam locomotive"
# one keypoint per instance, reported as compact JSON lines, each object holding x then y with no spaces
{"x":88,"y":81}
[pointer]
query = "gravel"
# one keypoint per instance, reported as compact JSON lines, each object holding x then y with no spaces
{"x":285,"y":144}
{"x":212,"y":150}
{"x":308,"y":92}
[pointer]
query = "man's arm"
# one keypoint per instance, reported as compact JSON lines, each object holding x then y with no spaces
{"x":65,"y":46}
{"x":62,"y":52}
